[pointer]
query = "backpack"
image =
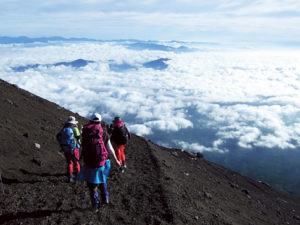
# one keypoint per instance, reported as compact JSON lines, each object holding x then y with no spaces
{"x":66,"y":139}
{"x":120,"y":135}
{"x":94,"y":152}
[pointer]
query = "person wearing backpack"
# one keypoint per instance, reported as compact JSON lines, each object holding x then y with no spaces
{"x":69,"y":139}
{"x":119,"y":138}
{"x":95,"y":151}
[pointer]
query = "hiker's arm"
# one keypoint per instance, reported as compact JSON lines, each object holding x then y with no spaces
{"x":77,"y":133}
{"x":128,"y":132}
{"x":111,"y":151}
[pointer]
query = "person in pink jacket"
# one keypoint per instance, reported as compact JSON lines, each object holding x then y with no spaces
{"x":95,"y":151}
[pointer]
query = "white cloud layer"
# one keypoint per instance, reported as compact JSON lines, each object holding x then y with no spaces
{"x":249,"y":96}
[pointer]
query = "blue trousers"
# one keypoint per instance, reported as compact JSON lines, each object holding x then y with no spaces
{"x":94,"y":194}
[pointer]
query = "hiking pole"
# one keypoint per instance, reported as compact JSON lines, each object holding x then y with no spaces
{"x":1,"y":185}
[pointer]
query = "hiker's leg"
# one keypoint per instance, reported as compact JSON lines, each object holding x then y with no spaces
{"x":78,"y":166}
{"x":71,"y":175}
{"x":68,"y":157}
{"x":93,"y":189}
{"x":117,"y":151}
{"x":122,"y":150}
{"x":104,"y":193}
{"x":119,"y":154}
{"x":76,"y":159}
{"x":71,"y":169}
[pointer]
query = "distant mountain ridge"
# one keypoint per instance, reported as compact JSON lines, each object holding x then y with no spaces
{"x":133,"y":44}
{"x":76,"y":64}
{"x":24,"y":39}
{"x":158,"y":64}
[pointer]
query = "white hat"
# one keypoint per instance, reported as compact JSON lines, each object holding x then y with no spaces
{"x":96,"y":117}
{"x":71,"y":120}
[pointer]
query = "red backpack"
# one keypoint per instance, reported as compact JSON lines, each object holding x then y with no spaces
{"x":93,"y":149}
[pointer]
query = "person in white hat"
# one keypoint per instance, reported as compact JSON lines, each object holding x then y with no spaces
{"x":95,"y":151}
{"x":69,"y":139}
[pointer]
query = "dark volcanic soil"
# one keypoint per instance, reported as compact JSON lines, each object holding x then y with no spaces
{"x":160,"y":186}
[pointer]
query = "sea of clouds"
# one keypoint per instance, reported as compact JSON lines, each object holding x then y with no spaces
{"x":196,"y":96}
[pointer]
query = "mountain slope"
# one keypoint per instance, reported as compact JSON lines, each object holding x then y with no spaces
{"x":160,"y":186}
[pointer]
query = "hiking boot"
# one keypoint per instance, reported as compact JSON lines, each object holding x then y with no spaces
{"x":71,"y":178}
{"x":95,"y":209}
{"x":122,"y":170}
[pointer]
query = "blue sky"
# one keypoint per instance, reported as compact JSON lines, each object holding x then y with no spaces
{"x":196,"y":20}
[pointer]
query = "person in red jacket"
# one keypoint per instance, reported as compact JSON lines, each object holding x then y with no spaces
{"x":119,"y":138}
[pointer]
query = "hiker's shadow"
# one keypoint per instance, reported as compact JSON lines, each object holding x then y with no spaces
{"x":35,"y":214}
{"x":6,"y":180}
{"x":43,"y":174}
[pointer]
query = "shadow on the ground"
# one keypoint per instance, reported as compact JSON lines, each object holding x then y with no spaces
{"x":35,"y":214}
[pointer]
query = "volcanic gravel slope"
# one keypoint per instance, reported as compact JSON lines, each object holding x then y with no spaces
{"x":160,"y":185}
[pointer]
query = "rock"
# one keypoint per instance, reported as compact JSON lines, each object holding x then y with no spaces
{"x":38,"y":146}
{"x":37,"y":161}
{"x":26,"y":135}
{"x":10,"y":101}
{"x":61,"y":154}
{"x":175,"y":154}
{"x":166,"y":164}
{"x":190,"y":154}
{"x":167,"y":178}
{"x":215,"y":215}
{"x":281,"y":200}
{"x":296,"y":217}
{"x":207,"y":195}
{"x":264,"y":183}
{"x":233,"y":185}
{"x":246,"y":191}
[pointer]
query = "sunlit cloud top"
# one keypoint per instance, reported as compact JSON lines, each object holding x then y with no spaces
{"x":216,"y":20}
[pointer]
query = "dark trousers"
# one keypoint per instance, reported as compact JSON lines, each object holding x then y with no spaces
{"x":93,"y":189}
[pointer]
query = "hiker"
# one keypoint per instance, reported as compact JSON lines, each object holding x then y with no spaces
{"x":119,"y":138}
{"x":97,"y":164}
{"x":69,"y":139}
